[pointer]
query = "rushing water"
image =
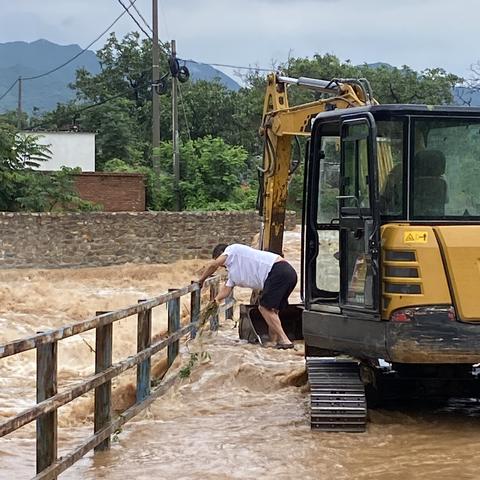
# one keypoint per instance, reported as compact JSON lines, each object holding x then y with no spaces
{"x":242,"y":413}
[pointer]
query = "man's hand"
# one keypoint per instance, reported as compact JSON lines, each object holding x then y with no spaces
{"x":211,"y":268}
{"x":208,"y":270}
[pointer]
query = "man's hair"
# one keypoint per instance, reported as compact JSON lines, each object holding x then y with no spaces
{"x":218,"y":250}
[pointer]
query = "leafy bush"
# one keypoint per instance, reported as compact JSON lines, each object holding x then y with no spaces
{"x":211,"y":177}
{"x":55,"y":191}
{"x":24,"y":189}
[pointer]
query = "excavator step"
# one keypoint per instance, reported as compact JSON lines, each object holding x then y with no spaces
{"x":337,"y":395}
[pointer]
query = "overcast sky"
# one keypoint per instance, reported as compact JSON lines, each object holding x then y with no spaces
{"x":419,"y":33}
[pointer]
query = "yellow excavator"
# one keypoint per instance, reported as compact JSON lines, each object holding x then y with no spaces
{"x":390,"y":246}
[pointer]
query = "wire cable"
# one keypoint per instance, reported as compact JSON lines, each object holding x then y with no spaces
{"x":260,"y":69}
{"x":133,"y":18}
{"x":132,"y":4}
{"x":8,"y":89}
{"x":184,"y":111}
{"x":162,"y":44}
{"x":77,"y":112}
{"x":162,"y":12}
{"x":34,"y":77}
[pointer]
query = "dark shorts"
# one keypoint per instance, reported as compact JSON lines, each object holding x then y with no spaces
{"x":278,"y":286}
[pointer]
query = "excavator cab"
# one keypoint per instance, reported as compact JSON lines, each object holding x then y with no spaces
{"x":390,"y":258}
{"x":386,"y":236}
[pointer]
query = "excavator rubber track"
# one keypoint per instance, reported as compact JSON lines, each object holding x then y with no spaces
{"x":337,"y":395}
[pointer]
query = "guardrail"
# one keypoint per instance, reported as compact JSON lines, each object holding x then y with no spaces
{"x":48,"y":466}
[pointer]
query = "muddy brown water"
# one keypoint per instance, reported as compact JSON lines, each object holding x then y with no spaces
{"x":242,"y":413}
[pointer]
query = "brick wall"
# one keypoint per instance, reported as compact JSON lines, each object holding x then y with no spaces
{"x":116,"y":192}
{"x":50,"y":240}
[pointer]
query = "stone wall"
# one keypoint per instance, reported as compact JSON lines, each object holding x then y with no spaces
{"x":115,"y":192}
{"x":52,"y":240}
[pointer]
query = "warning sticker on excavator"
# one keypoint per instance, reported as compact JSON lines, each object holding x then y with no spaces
{"x":415,"y":237}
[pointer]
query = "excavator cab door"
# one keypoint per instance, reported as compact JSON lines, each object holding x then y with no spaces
{"x":359,"y":217}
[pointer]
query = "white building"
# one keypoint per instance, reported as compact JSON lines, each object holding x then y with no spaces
{"x":68,"y":149}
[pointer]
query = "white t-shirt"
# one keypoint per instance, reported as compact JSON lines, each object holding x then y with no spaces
{"x":248,"y":267}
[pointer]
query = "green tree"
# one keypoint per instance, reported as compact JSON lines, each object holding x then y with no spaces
{"x":209,"y":108}
{"x":8,"y":166}
{"x":55,"y":191}
{"x":116,"y":104}
{"x":212,"y":176}
{"x":118,"y":134}
{"x":26,"y":189}
{"x":389,"y":84}
{"x":125,"y":69}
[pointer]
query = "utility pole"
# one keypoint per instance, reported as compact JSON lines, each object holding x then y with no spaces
{"x":19,"y":105}
{"x":155,"y":95}
{"x":176,"y":151}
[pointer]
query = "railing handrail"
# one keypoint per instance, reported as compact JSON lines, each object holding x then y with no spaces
{"x":29,"y":343}
{"x":49,"y":466}
{"x":91,"y":382}
{"x":66,"y":461}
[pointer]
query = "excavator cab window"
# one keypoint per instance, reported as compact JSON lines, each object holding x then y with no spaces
{"x":327,"y":276}
{"x":391,"y":136}
{"x":355,"y":191}
{"x":445,"y":168}
{"x":321,"y":244}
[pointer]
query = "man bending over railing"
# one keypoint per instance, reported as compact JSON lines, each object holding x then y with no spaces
{"x":258,"y":270}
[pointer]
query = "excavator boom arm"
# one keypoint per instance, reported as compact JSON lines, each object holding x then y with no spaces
{"x":280,"y":124}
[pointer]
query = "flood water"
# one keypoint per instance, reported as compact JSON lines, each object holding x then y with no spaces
{"x":241,"y":414}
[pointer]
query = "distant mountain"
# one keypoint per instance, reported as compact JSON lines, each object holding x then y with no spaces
{"x":466,"y":96}
{"x":31,"y":59}
{"x":202,"y":71}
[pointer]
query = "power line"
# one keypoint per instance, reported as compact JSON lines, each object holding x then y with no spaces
{"x":8,"y":90}
{"x":34,"y":77}
{"x":239,"y":67}
{"x":162,"y":44}
{"x":132,"y":4}
{"x":184,"y":111}
{"x":162,"y":12}
{"x":77,"y":112}
{"x":109,"y":99}
{"x":133,"y":18}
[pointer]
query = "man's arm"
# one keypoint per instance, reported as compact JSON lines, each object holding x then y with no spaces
{"x":223,"y":293}
{"x":212,"y":267}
